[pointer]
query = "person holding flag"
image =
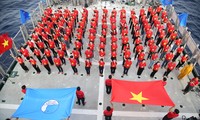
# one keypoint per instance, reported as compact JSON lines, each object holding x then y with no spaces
{"x":80,"y":96}
{"x":108,"y":84}
{"x":171,"y":114}
{"x":108,"y":112}
{"x":193,"y":82}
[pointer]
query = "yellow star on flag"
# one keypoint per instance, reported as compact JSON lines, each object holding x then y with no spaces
{"x":138,"y":97}
{"x":5,"y":43}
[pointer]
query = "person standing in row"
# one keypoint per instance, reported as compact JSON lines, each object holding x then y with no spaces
{"x":57,"y":61}
{"x":156,"y":67}
{"x":47,"y":53}
{"x":101,"y":67}
{"x":20,"y":60}
{"x":88,"y":53}
{"x":170,"y":67}
{"x":24,"y":52}
{"x":141,"y":67}
{"x":153,"y":58}
{"x":193,"y":82}
{"x":184,"y":58}
{"x":108,"y":84}
{"x":127,"y":65}
{"x":46,"y":64}
{"x":33,"y":63}
{"x":73,"y":63}
{"x":178,"y":52}
{"x":76,"y":55}
{"x":64,"y":48}
{"x":37,"y":54}
{"x":88,"y":65}
{"x":80,"y":96}
{"x":113,"y":66}
{"x":168,"y":58}
{"x":61,"y":55}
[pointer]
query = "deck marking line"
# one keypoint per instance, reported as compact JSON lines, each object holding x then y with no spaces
{"x":115,"y":113}
{"x":101,"y":96}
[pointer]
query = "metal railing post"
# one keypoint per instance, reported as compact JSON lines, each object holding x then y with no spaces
{"x":25,"y":31}
{"x":3,"y":72}
{"x":41,"y":8}
{"x":171,"y":10}
{"x":14,"y":46}
{"x":32,"y":21}
{"x":187,"y":37}
{"x":21,"y":29}
{"x":177,"y":23}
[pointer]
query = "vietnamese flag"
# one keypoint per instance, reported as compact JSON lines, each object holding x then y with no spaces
{"x":5,"y":43}
{"x":148,"y":92}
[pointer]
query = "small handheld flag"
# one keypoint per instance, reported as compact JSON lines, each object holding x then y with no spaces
{"x":24,"y":16}
{"x":183,"y":19}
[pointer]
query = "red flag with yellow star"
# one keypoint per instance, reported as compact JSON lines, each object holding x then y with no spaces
{"x":5,"y":43}
{"x":148,"y":92}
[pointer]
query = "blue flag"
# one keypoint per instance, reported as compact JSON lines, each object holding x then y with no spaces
{"x":166,"y":2}
{"x":46,"y":104}
{"x":183,"y":19}
{"x":24,"y":16}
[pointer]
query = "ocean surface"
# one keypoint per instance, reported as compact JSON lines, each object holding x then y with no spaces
{"x":10,"y":19}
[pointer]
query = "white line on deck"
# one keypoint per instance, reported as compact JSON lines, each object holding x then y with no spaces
{"x":99,"y":112}
{"x":101,"y":96}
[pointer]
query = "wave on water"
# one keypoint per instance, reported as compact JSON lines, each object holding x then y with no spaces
{"x":192,"y":7}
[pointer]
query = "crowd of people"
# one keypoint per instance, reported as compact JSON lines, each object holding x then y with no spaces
{"x":61,"y":35}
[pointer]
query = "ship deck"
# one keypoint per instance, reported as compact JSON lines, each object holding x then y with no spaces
{"x":94,"y":88}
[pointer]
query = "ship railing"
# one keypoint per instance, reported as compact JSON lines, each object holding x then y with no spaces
{"x":192,"y":48}
{"x":7,"y":62}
